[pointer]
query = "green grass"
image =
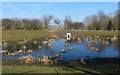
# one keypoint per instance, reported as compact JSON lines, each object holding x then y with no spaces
{"x":27,"y":69}
{"x":36,"y":69}
{"x":14,"y":66}
{"x":17,"y":35}
{"x":43,"y":69}
{"x":105,"y":68}
{"x":101,"y":69}
{"x":88,"y":33}
{"x":99,"y":33}
{"x":13,"y":36}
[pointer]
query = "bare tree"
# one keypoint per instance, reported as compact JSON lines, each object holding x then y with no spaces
{"x":7,"y":24}
{"x":57,"y":21}
{"x":103,"y":20}
{"x":95,"y":22}
{"x":115,"y":21}
{"x":91,"y":22}
{"x":67,"y":22}
{"x":47,"y":20}
{"x":26,"y":23}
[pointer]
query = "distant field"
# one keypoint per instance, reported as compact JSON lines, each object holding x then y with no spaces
{"x":89,"y":33}
{"x":100,"y":33}
{"x":16,"y":35}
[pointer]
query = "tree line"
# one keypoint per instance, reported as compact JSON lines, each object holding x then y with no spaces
{"x":69,"y":24}
{"x":101,"y":21}
{"x":28,"y":24}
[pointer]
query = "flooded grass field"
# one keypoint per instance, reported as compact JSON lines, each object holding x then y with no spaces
{"x":79,"y":48}
{"x":51,"y":37}
{"x":54,"y":54}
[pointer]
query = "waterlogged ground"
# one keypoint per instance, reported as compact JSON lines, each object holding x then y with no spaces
{"x":108,"y":48}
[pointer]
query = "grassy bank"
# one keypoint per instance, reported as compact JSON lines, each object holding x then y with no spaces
{"x":88,"y":70}
{"x":14,"y":66}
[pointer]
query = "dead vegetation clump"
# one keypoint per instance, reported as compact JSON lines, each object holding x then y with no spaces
{"x":30,"y":59}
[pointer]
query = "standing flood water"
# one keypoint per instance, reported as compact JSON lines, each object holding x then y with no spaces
{"x":74,"y":50}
